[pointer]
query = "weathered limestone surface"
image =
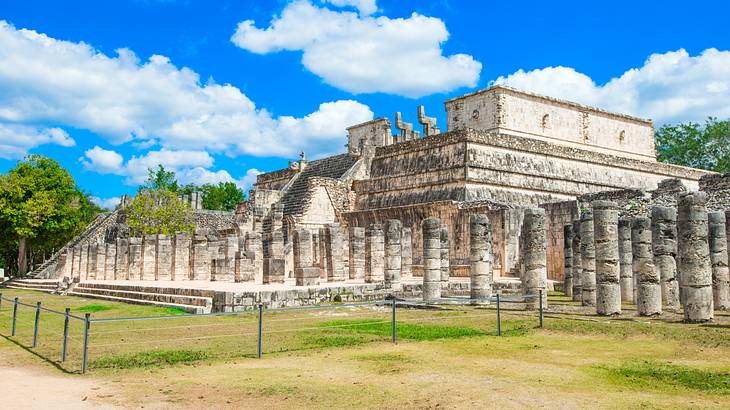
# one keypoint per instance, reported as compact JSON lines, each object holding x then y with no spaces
{"x":406,"y":253}
{"x":628,"y":293}
{"x":608,"y":270}
{"x":480,"y":258}
{"x":393,"y":232}
{"x":568,"y":258}
{"x":588,"y":259}
{"x":649,"y":293}
{"x":577,"y":263}
{"x":693,"y":257}
{"x":122,"y":264}
{"x":357,"y":253}
{"x":322,"y":253}
{"x":664,"y":238}
{"x":305,"y":273}
{"x":719,"y":258}
{"x":110,"y":261}
{"x":92,"y":256}
{"x":534,"y":278}
{"x":335,"y":249}
{"x":200,"y":260}
{"x":149,"y":257}
{"x":431,"y":259}
{"x":445,"y":264}
{"x":374,"y":254}
{"x":181,"y":257}
{"x":164,"y":258}
{"x":135,"y":258}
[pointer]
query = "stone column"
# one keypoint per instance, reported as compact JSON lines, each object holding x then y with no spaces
{"x":305,"y":273}
{"x":406,"y":246}
{"x":335,"y":261}
{"x":84,"y":264}
{"x":149,"y":257}
{"x":588,"y":258}
{"x":76,"y":262}
{"x":121,"y":268}
{"x":431,"y":259}
{"x":664,"y":238}
{"x":626,"y":260}
{"x":135,"y":258}
{"x":393,"y":231}
{"x":100,"y":260}
{"x":534,"y":278}
{"x":649,"y":291}
{"x":719,"y":259}
{"x":480,"y":258}
{"x":445,"y":265}
{"x":93,"y":258}
{"x":568,"y":260}
{"x":255,"y":252}
{"x":374,"y":254}
{"x":181,"y":257}
{"x":110,"y":261}
{"x":693,"y":257}
{"x":577,"y":263}
{"x":164,"y":258}
{"x":608,"y":271}
{"x":357,"y":253}
{"x":200,"y":259}
{"x":322,"y":254}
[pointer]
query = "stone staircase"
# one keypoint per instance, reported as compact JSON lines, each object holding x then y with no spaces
{"x":41,"y":285}
{"x":190,"y":300}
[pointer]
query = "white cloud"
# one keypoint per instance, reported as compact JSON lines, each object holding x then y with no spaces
{"x":16,"y":140}
{"x":364,"y":54}
{"x":670,"y":87}
{"x":102,"y":161}
{"x":249,"y":179}
{"x":106,"y":203}
{"x":201,"y":176}
{"x":365,"y":7}
{"x":48,"y":81}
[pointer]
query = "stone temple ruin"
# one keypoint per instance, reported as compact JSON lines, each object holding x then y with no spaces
{"x":520,"y":193}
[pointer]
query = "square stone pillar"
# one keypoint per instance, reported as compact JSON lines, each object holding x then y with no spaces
{"x":164,"y":258}
{"x":374,"y":254}
{"x":181,"y":257}
{"x":110,"y":261}
{"x":135,"y":258}
{"x":93,"y":251}
{"x":76,"y":262}
{"x":121,"y":265}
{"x":305,"y":273}
{"x":392,"y":245}
{"x":200,"y":258}
{"x":357,"y":253}
{"x":335,"y":266}
{"x":322,"y":254}
{"x":149,"y":257}
{"x":84,"y":264}
{"x":406,"y":245}
{"x":255,"y":252}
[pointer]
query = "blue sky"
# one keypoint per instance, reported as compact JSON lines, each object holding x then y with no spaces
{"x":220,"y":90}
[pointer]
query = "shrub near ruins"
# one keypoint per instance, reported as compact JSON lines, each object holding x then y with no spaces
{"x":159,"y":212}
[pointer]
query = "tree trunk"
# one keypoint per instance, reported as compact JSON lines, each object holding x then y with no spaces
{"x":22,"y":261}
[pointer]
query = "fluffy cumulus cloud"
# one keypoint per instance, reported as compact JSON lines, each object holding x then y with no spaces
{"x":249,"y":179}
{"x":106,"y":203}
{"x":102,"y":160}
{"x":365,"y":7}
{"x":46,"y":83}
{"x":360,"y":53}
{"x":669,"y":87}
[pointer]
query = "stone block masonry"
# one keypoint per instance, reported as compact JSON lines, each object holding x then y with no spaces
{"x":305,"y":273}
{"x":164,"y":258}
{"x":577,"y":263}
{"x":568,"y":260}
{"x":444,"y":237}
{"x":628,"y":293}
{"x":334,"y":253}
{"x":374,"y":254}
{"x":393,"y":260}
{"x":181,"y":257}
{"x":608,"y":270}
{"x":664,"y":239}
{"x":534,"y":276}
{"x":406,"y":253}
{"x":480,"y":258}
{"x":357,"y":253}
{"x":649,"y":291}
{"x":588,"y":259}
{"x":693,"y":257}
{"x":719,"y":259}
{"x":431,"y":228}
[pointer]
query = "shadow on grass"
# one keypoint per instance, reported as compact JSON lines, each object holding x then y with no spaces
{"x":48,"y":360}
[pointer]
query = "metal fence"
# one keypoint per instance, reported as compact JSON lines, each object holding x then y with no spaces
{"x":69,"y":341}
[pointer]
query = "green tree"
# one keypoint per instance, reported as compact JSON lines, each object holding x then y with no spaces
{"x":159,"y":212}
{"x":699,"y":146}
{"x":41,"y":207}
{"x":222,"y":197}
{"x":160,"y":179}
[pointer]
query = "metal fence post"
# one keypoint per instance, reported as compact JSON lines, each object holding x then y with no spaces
{"x":15,"y":315}
{"x":64,"y":347}
{"x":85,"y":357}
{"x":541,"y":309}
{"x":393,"y":333}
{"x":499,"y":319}
{"x":261,"y":326}
{"x":35,"y":324}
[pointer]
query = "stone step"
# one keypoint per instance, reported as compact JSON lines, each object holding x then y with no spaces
{"x":168,"y":290}
{"x":187,"y":308}
{"x":11,"y":285}
{"x":148,"y":296}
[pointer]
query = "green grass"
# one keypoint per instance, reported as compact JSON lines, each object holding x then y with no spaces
{"x":407,"y":331}
{"x":150,"y":358}
{"x":93,"y":308}
{"x":652,"y":374}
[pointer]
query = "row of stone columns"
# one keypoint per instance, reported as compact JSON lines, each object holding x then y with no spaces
{"x":676,"y":256}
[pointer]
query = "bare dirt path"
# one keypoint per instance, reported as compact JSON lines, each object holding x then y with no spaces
{"x":32,"y":388}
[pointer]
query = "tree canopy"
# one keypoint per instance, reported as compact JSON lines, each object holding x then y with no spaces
{"x":223,"y":196}
{"x":41,"y":208}
{"x":698,"y":146}
{"x":159,"y":212}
